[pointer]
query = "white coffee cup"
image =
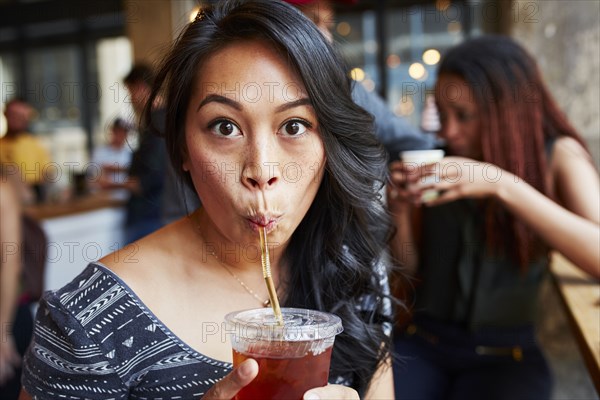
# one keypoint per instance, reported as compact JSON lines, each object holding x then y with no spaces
{"x":422,"y":158}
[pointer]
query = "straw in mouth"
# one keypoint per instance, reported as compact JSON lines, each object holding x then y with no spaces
{"x":266,"y":267}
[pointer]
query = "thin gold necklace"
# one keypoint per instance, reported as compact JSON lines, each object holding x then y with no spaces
{"x":265,"y":303}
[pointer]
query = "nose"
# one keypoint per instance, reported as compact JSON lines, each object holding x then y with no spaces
{"x":262,"y":169}
{"x":450,"y":129}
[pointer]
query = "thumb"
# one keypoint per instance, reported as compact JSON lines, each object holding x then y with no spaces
{"x":233,"y":382}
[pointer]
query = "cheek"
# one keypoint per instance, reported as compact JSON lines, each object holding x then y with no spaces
{"x":473,"y":133}
{"x":203,"y":169}
{"x":309,"y":169}
{"x":305,"y":174}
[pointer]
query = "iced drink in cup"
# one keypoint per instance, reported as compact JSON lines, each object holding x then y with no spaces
{"x":292,"y":358}
{"x":422,"y":158}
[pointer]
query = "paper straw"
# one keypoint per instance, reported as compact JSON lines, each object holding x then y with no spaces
{"x":266,"y":267}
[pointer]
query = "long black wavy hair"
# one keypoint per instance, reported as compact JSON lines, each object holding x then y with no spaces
{"x":332,"y":256}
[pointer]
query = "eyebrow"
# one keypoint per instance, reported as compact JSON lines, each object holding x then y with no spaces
{"x":217,"y":98}
{"x":305,"y":101}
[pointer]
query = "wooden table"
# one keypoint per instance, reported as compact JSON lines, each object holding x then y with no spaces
{"x":580,"y":294}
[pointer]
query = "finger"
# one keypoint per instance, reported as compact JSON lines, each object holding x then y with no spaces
{"x":399,"y":178}
{"x":398,"y":194}
{"x":229,"y":386}
{"x":413,"y":172}
{"x":444,"y":197}
{"x":331,"y":392}
{"x":395,"y":165}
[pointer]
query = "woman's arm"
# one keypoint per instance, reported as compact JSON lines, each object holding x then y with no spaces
{"x":24,"y":395}
{"x":10,"y":271}
{"x":402,"y":245}
{"x":573,"y":230}
{"x":382,"y":384}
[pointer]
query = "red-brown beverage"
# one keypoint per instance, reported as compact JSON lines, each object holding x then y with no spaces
{"x":292,"y":357}
{"x":285,"y":378}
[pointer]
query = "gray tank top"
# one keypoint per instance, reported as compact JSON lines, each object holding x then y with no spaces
{"x":464,"y":283}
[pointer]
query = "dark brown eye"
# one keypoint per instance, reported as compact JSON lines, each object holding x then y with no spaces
{"x":226,"y":128}
{"x":294,"y":128}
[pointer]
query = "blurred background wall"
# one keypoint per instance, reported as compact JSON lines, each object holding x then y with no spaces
{"x":68,"y":57}
{"x":565,"y":38}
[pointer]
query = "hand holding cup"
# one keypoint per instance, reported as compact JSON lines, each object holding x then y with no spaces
{"x":232,"y":383}
{"x":292,"y":358}
{"x":416,"y":170}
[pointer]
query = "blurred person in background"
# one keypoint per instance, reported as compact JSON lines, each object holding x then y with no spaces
{"x":23,"y":255}
{"x":518,"y":182}
{"x":393,"y":132}
{"x":166,"y":198}
{"x":114,"y":158}
{"x":147,"y":171}
{"x":21,"y":150}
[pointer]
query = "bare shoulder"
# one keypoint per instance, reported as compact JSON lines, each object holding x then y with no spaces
{"x":575,"y":177}
{"x":567,"y":149}
{"x":569,"y":157}
{"x":146,"y":259}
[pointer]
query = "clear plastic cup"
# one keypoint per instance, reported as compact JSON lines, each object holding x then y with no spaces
{"x":292,"y":358}
{"x":420,"y":159}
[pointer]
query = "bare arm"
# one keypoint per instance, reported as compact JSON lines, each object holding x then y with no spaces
{"x":382,"y":384}
{"x":24,"y":395}
{"x":572,"y":227}
{"x":10,"y":271}
{"x":403,"y":246}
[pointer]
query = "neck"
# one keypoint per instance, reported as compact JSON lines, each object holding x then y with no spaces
{"x":242,"y":262}
{"x":236,"y":256}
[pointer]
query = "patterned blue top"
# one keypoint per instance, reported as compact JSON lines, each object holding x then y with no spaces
{"x":95,"y":339}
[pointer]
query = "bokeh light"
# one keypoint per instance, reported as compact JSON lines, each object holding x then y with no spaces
{"x":343,"y":28}
{"x":431,"y":57}
{"x":417,"y":71}
{"x":357,"y":74}
{"x":393,"y":61}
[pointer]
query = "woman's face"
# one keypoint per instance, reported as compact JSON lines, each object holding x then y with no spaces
{"x":254,"y":150}
{"x":459,"y":116}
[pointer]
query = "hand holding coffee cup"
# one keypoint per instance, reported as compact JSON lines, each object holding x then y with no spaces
{"x":420,"y":167}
